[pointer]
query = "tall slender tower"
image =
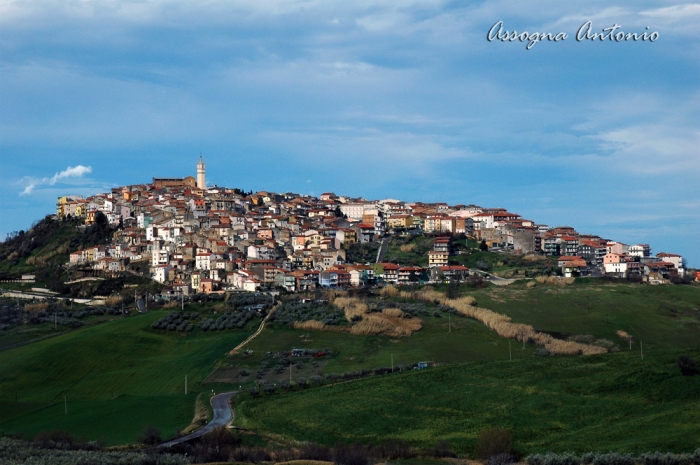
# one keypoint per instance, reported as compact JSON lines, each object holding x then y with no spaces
{"x":201,"y":183}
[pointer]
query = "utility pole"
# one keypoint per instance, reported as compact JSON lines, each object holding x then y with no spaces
{"x":510,"y":351}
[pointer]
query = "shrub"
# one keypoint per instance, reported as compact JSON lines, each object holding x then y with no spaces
{"x":442,"y":449}
{"x":491,"y":442}
{"x":150,"y":436}
{"x":351,"y":455}
{"x":687,"y":366}
{"x":502,"y":459}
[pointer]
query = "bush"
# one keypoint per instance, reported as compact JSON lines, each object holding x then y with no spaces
{"x":150,"y":436}
{"x":491,"y":442}
{"x":442,"y":449}
{"x":502,"y":459}
{"x":351,"y":455}
{"x":688,"y":366}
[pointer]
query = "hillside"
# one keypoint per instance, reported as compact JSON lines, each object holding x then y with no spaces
{"x":122,"y":374}
{"x":47,"y":245}
{"x":612,"y":402}
{"x":117,"y":377}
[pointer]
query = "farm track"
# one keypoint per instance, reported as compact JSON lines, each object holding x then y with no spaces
{"x":256,"y":333}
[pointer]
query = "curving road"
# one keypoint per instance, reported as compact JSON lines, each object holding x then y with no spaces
{"x":222,"y":417}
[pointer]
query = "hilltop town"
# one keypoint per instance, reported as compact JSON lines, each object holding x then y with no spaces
{"x":203,"y":239}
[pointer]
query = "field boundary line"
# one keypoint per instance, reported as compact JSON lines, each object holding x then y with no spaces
{"x":19,"y":344}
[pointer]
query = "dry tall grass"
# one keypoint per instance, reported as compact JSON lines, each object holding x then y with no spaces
{"x":41,"y":259}
{"x":505,"y":328}
{"x":407,"y":247}
{"x":117,"y":299}
{"x":389,"y":291}
{"x":201,"y":415}
{"x":395,"y":312}
{"x":380,"y":323}
{"x":406,"y":294}
{"x":36,"y":307}
{"x":315,"y":325}
{"x":554,"y":280}
{"x":624,"y":335}
{"x":531,"y":284}
{"x":352,"y":306}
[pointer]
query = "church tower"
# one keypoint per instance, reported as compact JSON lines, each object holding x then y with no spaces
{"x":201,"y":183}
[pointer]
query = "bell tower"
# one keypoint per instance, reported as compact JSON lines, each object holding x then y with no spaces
{"x":201,"y":182}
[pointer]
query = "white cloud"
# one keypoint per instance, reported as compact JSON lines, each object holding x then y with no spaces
{"x":71,"y":172}
{"x":676,"y":12}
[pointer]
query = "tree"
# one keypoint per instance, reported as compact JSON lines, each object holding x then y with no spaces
{"x":483,"y":246}
{"x":150,"y":436}
{"x":453,"y":289}
{"x":688,"y":366}
{"x":491,"y":442}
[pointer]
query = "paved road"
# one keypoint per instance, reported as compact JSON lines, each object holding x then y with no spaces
{"x":495,"y":279}
{"x":222,"y":417}
{"x":381,"y":253}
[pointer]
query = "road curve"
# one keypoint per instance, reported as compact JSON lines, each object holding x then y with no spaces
{"x":222,"y":417}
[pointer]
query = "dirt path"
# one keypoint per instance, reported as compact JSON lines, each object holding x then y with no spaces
{"x":255,"y":334}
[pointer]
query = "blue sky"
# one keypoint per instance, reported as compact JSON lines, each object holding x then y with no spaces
{"x":400,"y":99}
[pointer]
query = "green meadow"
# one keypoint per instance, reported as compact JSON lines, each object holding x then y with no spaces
{"x":611,"y":402}
{"x":117,"y":377}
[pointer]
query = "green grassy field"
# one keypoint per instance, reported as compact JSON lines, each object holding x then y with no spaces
{"x":468,"y":340}
{"x":607,"y":402}
{"x":659,"y":316}
{"x":144,"y":372}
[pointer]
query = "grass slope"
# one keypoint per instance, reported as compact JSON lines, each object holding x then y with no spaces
{"x":661,"y":316}
{"x":609,"y":402}
{"x":143,"y":370}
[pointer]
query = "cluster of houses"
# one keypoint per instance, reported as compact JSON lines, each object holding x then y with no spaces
{"x":205,"y":239}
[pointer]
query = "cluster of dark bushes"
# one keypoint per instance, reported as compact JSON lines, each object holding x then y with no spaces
{"x":362,"y":252}
{"x":242,"y":299}
{"x":61,"y":448}
{"x":229,"y":320}
{"x":176,"y":321}
{"x":614,"y":458}
{"x":20,"y":244}
{"x":409,"y":308}
{"x":222,"y":445}
{"x":10,"y":316}
{"x":292,"y":311}
{"x":53,"y":312}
